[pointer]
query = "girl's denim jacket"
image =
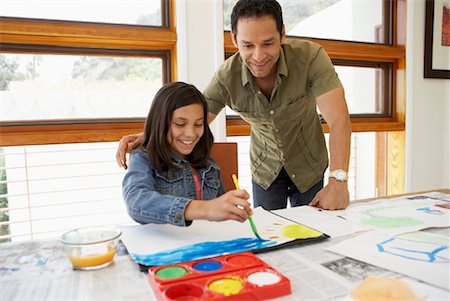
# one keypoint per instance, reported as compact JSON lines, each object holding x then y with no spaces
{"x":158,"y":197}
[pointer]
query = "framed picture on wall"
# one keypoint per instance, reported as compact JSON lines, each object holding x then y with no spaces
{"x":437,"y":39}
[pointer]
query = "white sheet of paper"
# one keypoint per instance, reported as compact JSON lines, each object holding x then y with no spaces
{"x":423,"y":256}
{"x":154,"y":238}
{"x":400,"y":215}
{"x":321,"y":220}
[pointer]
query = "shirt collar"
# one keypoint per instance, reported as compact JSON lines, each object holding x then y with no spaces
{"x":282,"y":65}
{"x":179,"y":162}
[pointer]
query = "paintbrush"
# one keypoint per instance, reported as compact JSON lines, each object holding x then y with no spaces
{"x":252,"y":225}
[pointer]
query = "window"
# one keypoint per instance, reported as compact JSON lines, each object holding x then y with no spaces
{"x":332,"y":19}
{"x":64,"y":87}
{"x":365,"y":40}
{"x":98,"y":62}
{"x":145,"y":12}
{"x":367,"y":87}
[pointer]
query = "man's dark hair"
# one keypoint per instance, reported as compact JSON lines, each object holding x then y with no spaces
{"x":256,"y":8}
{"x":169,"y":98}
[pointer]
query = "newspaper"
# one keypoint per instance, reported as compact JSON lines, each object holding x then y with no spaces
{"x":40,"y":270}
{"x":317,"y":274}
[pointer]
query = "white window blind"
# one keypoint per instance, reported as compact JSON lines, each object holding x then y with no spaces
{"x":49,"y":189}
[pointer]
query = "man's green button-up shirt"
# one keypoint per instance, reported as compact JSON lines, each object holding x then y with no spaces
{"x":286,"y":129}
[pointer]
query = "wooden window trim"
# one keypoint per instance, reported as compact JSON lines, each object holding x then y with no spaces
{"x":82,"y":34}
{"x":238,"y":127}
{"x":19,"y":35}
{"x":67,"y":133}
{"x":345,"y":49}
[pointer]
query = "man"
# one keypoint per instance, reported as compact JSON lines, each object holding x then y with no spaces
{"x":275,"y":85}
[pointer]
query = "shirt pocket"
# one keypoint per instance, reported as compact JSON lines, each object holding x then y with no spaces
{"x":295,"y":107}
{"x":211,"y":187}
{"x":258,"y":153}
{"x":173,"y":185}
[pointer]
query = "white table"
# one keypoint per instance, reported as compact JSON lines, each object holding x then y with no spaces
{"x":39,"y":270}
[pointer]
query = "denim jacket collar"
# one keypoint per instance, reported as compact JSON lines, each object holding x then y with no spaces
{"x":175,"y":173}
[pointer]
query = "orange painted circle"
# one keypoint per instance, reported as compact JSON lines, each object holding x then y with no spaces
{"x":240,"y":260}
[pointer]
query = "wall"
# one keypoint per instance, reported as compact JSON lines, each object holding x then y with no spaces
{"x":427,"y":113}
{"x":200,"y":48}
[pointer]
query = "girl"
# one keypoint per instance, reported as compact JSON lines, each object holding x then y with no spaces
{"x":171,"y":174}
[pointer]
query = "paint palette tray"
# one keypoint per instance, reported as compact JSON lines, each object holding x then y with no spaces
{"x":241,"y":276}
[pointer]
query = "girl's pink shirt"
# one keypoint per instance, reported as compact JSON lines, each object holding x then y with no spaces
{"x":198,"y":188}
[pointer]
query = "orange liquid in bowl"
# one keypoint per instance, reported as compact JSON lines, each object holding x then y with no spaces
{"x":93,"y":259}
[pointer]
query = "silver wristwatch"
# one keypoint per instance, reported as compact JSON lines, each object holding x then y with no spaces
{"x":339,"y":174}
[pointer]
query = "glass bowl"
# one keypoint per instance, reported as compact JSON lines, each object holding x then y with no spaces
{"x":91,"y":248}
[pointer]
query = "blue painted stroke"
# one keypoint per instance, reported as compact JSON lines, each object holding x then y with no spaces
{"x":430,"y":210}
{"x":202,"y":250}
{"x":415,"y":250}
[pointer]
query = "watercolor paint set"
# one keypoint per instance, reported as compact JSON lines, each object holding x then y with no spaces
{"x":241,"y":276}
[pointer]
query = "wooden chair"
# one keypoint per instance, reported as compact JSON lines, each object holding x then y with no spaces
{"x":226,"y":156}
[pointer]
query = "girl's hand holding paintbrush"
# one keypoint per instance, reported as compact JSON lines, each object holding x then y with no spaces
{"x":252,"y":224}
{"x":232,"y":205}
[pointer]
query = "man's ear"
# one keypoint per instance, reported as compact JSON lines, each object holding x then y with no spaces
{"x":283,"y":35}
{"x":233,"y":39}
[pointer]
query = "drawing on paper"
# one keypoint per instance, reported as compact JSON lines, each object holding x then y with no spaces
{"x":398,"y":216}
{"x":416,"y":246}
{"x":379,"y":217}
{"x":155,"y":245}
{"x":387,"y":222}
{"x":420,"y":255}
{"x":202,"y":250}
{"x":281,"y":229}
{"x":430,"y":210}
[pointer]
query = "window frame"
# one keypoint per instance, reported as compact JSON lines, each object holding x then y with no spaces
{"x":360,"y":54}
{"x":42,"y":36}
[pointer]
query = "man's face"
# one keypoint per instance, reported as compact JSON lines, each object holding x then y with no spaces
{"x":258,"y":42}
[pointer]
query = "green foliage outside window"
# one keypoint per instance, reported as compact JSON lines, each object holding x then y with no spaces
{"x":294,"y":11}
{"x":4,"y":216}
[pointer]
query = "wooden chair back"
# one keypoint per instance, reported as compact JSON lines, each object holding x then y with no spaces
{"x":226,"y":156}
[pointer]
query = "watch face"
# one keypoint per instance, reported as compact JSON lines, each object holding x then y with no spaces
{"x":339,"y":175}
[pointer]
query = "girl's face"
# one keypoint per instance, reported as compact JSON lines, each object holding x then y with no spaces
{"x":186,"y":129}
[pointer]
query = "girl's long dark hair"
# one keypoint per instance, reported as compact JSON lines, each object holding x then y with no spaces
{"x":169,"y":98}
